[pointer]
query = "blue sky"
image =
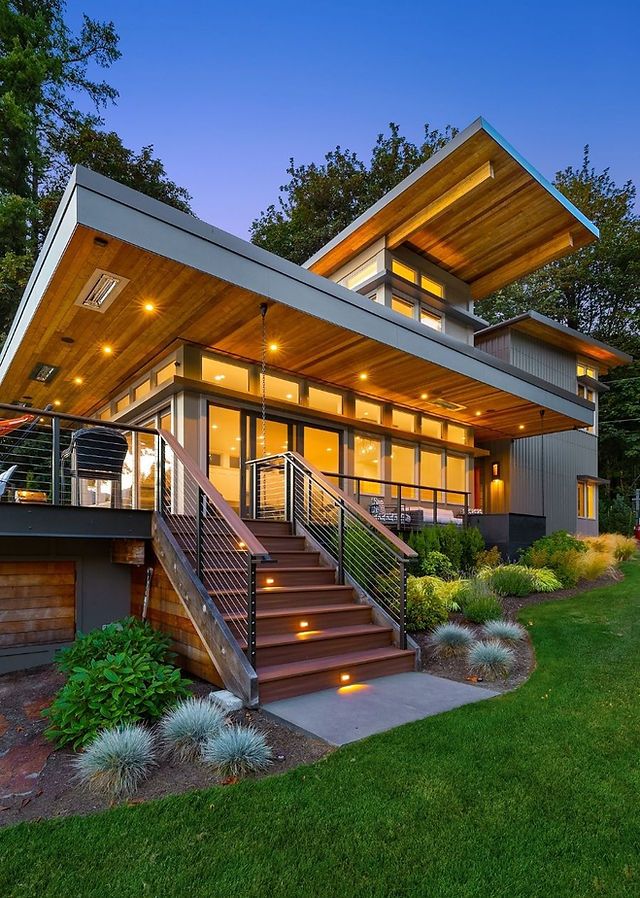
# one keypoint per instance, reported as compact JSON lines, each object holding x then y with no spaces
{"x":228,"y":92}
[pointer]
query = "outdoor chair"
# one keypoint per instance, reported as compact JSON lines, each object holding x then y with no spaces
{"x":5,"y":477}
{"x":95,"y":453}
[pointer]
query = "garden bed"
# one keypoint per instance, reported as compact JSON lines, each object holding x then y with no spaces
{"x":455,"y":668}
{"x":36,"y":780}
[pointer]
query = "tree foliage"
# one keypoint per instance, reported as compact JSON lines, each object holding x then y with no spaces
{"x":45,"y":71}
{"x":319,"y":200}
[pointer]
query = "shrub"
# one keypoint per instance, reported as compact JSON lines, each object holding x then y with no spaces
{"x":120,"y":689}
{"x":472,"y":543}
{"x":619,"y":547}
{"x":451,"y":638}
{"x":504,"y":631}
{"x":237,"y":750}
{"x":460,"y":545}
{"x":489,"y":558}
{"x":425,"y":608}
{"x":544,"y":580}
{"x":446,"y":590}
{"x":616,"y":515}
{"x":593,"y":564}
{"x":560,"y":552}
{"x":511,"y":580}
{"x":116,"y":760}
{"x":436,"y":564}
{"x":129,"y":635}
{"x":490,"y":659}
{"x":478,"y":602}
{"x":184,"y":729}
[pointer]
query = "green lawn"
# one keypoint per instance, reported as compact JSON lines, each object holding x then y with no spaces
{"x":531,"y":794}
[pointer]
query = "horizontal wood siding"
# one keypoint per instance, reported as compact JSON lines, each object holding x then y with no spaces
{"x":167,"y":613}
{"x":37,"y":602}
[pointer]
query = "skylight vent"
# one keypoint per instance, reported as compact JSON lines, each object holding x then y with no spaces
{"x":449,"y":406}
{"x":100,"y":290}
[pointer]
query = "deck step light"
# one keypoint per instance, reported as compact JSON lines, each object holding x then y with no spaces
{"x":304,"y":624}
{"x":345,"y":677}
{"x":269,"y":581}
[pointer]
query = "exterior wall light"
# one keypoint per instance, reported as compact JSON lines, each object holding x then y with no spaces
{"x":495,"y":470}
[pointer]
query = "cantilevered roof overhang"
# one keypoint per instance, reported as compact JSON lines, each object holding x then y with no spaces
{"x":477,"y":208}
{"x":207,"y":287}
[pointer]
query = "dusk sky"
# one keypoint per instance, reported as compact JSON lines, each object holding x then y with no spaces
{"x":228,"y":92}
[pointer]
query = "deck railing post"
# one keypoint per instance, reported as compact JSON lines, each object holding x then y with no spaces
{"x":402,"y":634}
{"x":160,"y":475}
{"x":253,"y":491}
{"x":435,"y":506}
{"x":55,"y":461}
{"x":341,"y":544}
{"x":251,"y":609}
{"x":199,"y":533}
{"x":465,"y":519}
{"x":399,"y":508}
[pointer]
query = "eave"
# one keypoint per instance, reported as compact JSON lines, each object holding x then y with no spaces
{"x":207,"y":287}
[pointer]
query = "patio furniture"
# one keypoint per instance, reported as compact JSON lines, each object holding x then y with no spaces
{"x":390,"y":518}
{"x":31,"y":497}
{"x":95,"y":453}
{"x":5,"y":477}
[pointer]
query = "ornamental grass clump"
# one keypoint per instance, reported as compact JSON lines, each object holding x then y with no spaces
{"x":593,"y":564}
{"x":544,"y":580}
{"x":185,"y":729}
{"x":236,"y":751}
{"x":451,"y":639}
{"x":511,"y":580}
{"x":478,"y":602}
{"x":504,"y":631}
{"x":116,"y":761}
{"x":490,"y":659}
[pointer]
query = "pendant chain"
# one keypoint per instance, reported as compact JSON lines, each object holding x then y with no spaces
{"x":263,"y":378}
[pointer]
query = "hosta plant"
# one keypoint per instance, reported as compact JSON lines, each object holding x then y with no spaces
{"x":490,"y":659}
{"x":451,"y":639}
{"x":116,"y":761}
{"x":237,"y":750}
{"x":504,"y":630}
{"x":130,"y":635}
{"x":184,"y":729}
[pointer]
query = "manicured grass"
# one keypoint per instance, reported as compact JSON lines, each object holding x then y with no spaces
{"x":530,"y":795}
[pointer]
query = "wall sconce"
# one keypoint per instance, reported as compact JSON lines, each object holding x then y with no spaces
{"x":495,"y":470}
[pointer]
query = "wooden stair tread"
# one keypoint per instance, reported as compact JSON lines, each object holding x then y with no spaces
{"x":309,"y":610}
{"x":320,"y":587}
{"x":329,"y":633}
{"x":272,"y":672}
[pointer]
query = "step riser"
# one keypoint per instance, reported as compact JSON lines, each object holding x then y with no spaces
{"x":290,"y":686}
{"x":282,"y":577}
{"x":359,"y":614}
{"x":283,"y":543}
{"x":269,"y":528}
{"x":307,"y":649}
{"x":291,"y":559}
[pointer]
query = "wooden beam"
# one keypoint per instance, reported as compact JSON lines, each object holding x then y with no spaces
{"x":559,"y":246}
{"x":447,"y":199}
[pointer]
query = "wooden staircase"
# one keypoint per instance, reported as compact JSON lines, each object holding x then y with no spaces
{"x":311,"y":633}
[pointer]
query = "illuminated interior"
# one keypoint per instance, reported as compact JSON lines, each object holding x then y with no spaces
{"x":367,"y":456}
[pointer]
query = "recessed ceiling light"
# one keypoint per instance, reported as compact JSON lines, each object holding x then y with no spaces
{"x":107,"y":349}
{"x":273,"y":347}
{"x":520,"y":426}
{"x":363,"y":376}
{"x":68,"y":340}
{"x":78,"y":381}
{"x":149,"y":307}
{"x":57,"y":403}
{"x":100,"y":241}
{"x":424,"y":395}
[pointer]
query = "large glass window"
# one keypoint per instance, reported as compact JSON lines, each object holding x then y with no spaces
{"x":430,"y":472}
{"x":368,"y":411}
{"x":591,"y":396}
{"x":142,"y":390}
{"x":322,"y":448}
{"x":225,"y":443}
{"x":456,"y":433}
{"x":367,"y":462}
{"x":432,"y":427}
{"x":282,"y":388}
{"x":325,"y":401}
{"x":587,"y":500}
{"x":225,"y":374}
{"x":165,"y":374}
{"x":362,"y":274}
{"x":456,"y":478}
{"x":430,"y":319}
{"x":403,"y":469}
{"x":432,"y":286}
{"x":403,"y":420}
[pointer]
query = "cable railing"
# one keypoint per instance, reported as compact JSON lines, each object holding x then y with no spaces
{"x":286,"y":487}
{"x":412,"y":505}
{"x":222,"y":550}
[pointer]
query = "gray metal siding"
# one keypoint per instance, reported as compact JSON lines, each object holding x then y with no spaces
{"x":498,"y":345}
{"x":548,"y":362}
{"x":565,"y":456}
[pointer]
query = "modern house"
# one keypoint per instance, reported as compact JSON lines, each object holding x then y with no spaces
{"x":281,"y":425}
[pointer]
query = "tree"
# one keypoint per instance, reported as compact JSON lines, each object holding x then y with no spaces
{"x":319,"y":201}
{"x":44,"y":70}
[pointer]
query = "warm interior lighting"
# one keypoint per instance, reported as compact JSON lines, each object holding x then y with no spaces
{"x":478,"y":414}
{"x":219,"y":377}
{"x":78,"y":381}
{"x":107,"y":350}
{"x":363,"y":376}
{"x":57,"y":402}
{"x":345,"y":677}
{"x":273,"y":347}
{"x":149,"y":307}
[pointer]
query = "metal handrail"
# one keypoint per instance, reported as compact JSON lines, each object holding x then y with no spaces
{"x":363,"y":549}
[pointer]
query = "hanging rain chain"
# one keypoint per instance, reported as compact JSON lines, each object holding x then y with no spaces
{"x":263,"y":378}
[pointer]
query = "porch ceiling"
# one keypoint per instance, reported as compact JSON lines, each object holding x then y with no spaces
{"x":476,"y":208}
{"x":324,"y":331}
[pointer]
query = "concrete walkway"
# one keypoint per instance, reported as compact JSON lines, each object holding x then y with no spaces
{"x":352,"y":712}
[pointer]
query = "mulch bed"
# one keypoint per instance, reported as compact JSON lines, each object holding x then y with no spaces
{"x":36,"y":780}
{"x":455,"y":668}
